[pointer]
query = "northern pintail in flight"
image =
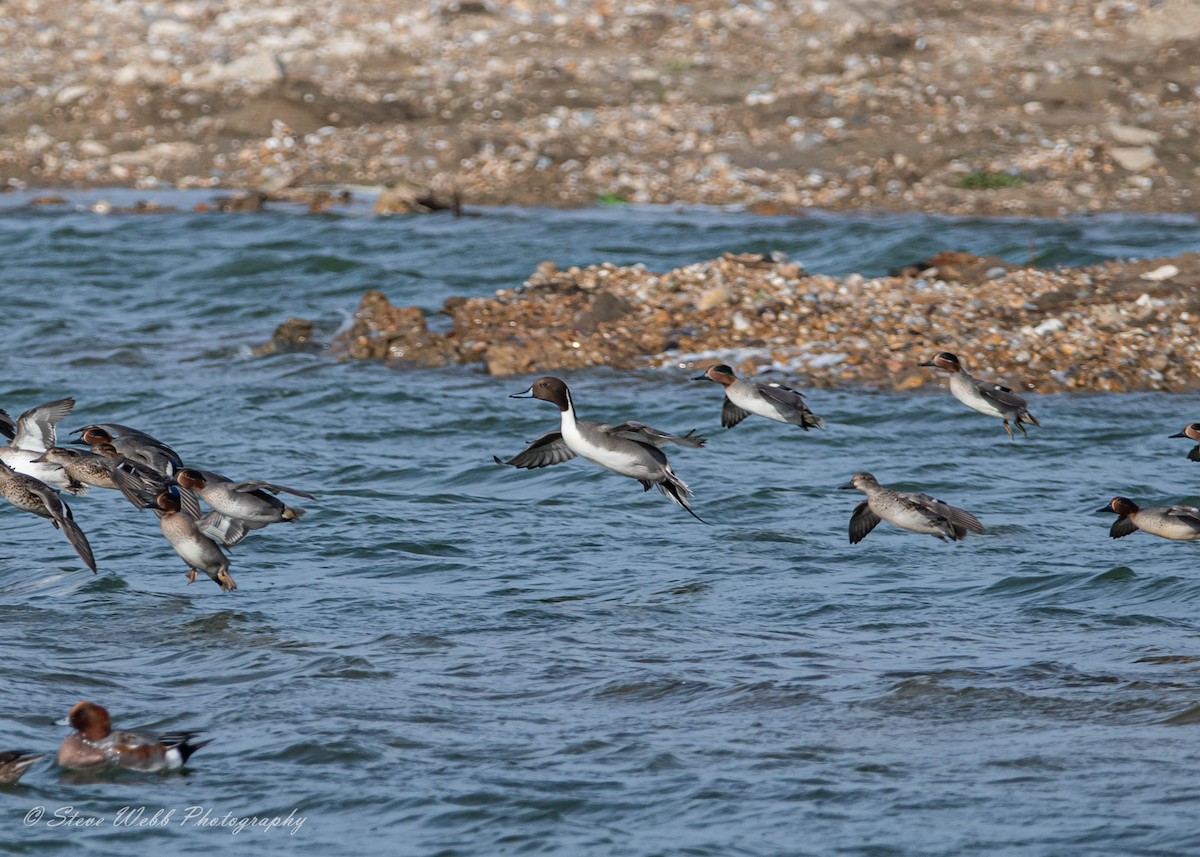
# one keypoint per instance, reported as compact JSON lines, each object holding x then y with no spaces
{"x":1192,"y":432}
{"x":630,"y":449}
{"x":987,"y":397}
{"x":1178,"y":523}
{"x":238,"y":507}
{"x":95,"y":744}
{"x":770,"y":399}
{"x":198,"y":551}
{"x":34,"y":432}
{"x":33,"y":495}
{"x":919,"y":513}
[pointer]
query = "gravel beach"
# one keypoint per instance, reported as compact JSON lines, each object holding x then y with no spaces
{"x":1006,"y":107}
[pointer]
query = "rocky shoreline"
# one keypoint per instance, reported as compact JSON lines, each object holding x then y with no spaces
{"x":1114,"y":327}
{"x":1032,"y":107}
{"x":999,"y":107}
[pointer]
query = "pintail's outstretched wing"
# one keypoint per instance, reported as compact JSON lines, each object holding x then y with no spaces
{"x":642,"y":433}
{"x":548,"y":449}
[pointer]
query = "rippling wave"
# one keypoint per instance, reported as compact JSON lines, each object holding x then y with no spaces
{"x":451,"y":657}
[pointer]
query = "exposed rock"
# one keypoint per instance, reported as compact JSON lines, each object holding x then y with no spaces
{"x":406,"y":199}
{"x":1092,"y":328}
{"x":1129,"y":135}
{"x":1163,"y":272}
{"x":1136,"y":160}
{"x":70,"y":94}
{"x":295,"y":334}
{"x":239,"y":203}
{"x":258,"y":68}
{"x":153,"y":156}
{"x":381,"y":331}
{"x":606,"y":307}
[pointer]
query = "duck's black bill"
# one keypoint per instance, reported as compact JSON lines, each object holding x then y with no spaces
{"x":526,"y":394}
{"x":847,"y":485}
{"x":1181,"y":434}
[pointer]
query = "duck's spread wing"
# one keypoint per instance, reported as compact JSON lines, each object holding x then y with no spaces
{"x":1187,"y":514}
{"x":999,"y":394}
{"x":224,"y":530}
{"x":548,"y":449}
{"x":140,"y":485}
{"x":60,"y":514}
{"x":780,"y":394}
{"x":253,"y":485}
{"x":8,"y":428}
{"x":789,"y":402}
{"x":642,"y":433}
{"x":36,"y":427}
{"x":1122,"y":527}
{"x":862,"y":522}
{"x":731,"y":414}
{"x":960,"y":520}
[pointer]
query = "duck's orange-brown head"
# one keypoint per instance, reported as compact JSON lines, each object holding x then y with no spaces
{"x":90,"y":720}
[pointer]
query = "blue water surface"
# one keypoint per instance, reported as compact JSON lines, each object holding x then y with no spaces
{"x":446,"y":657}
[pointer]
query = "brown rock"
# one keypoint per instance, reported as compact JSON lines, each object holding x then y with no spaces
{"x":625,"y":317}
{"x":407,"y":199}
{"x":295,"y":334}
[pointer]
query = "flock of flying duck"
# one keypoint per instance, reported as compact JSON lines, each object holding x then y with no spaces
{"x":634,"y":449}
{"x":33,"y":470}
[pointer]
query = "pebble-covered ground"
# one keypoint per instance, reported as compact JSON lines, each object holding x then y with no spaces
{"x":987,"y":106}
{"x":1111,"y":327}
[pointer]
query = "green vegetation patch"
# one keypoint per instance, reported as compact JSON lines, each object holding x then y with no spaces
{"x":987,"y":180}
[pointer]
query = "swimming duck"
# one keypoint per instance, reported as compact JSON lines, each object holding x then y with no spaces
{"x":198,"y":551}
{"x":769,"y":399}
{"x":37,"y":497}
{"x":630,"y":449}
{"x":94,"y":743}
{"x":33,"y":433}
{"x":995,"y":400}
{"x":13,"y":763}
{"x":919,"y":513}
{"x":238,"y":506}
{"x":1178,"y":523}
{"x":1192,"y":432}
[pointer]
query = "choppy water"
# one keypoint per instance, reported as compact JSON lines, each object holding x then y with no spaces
{"x":447,"y":657}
